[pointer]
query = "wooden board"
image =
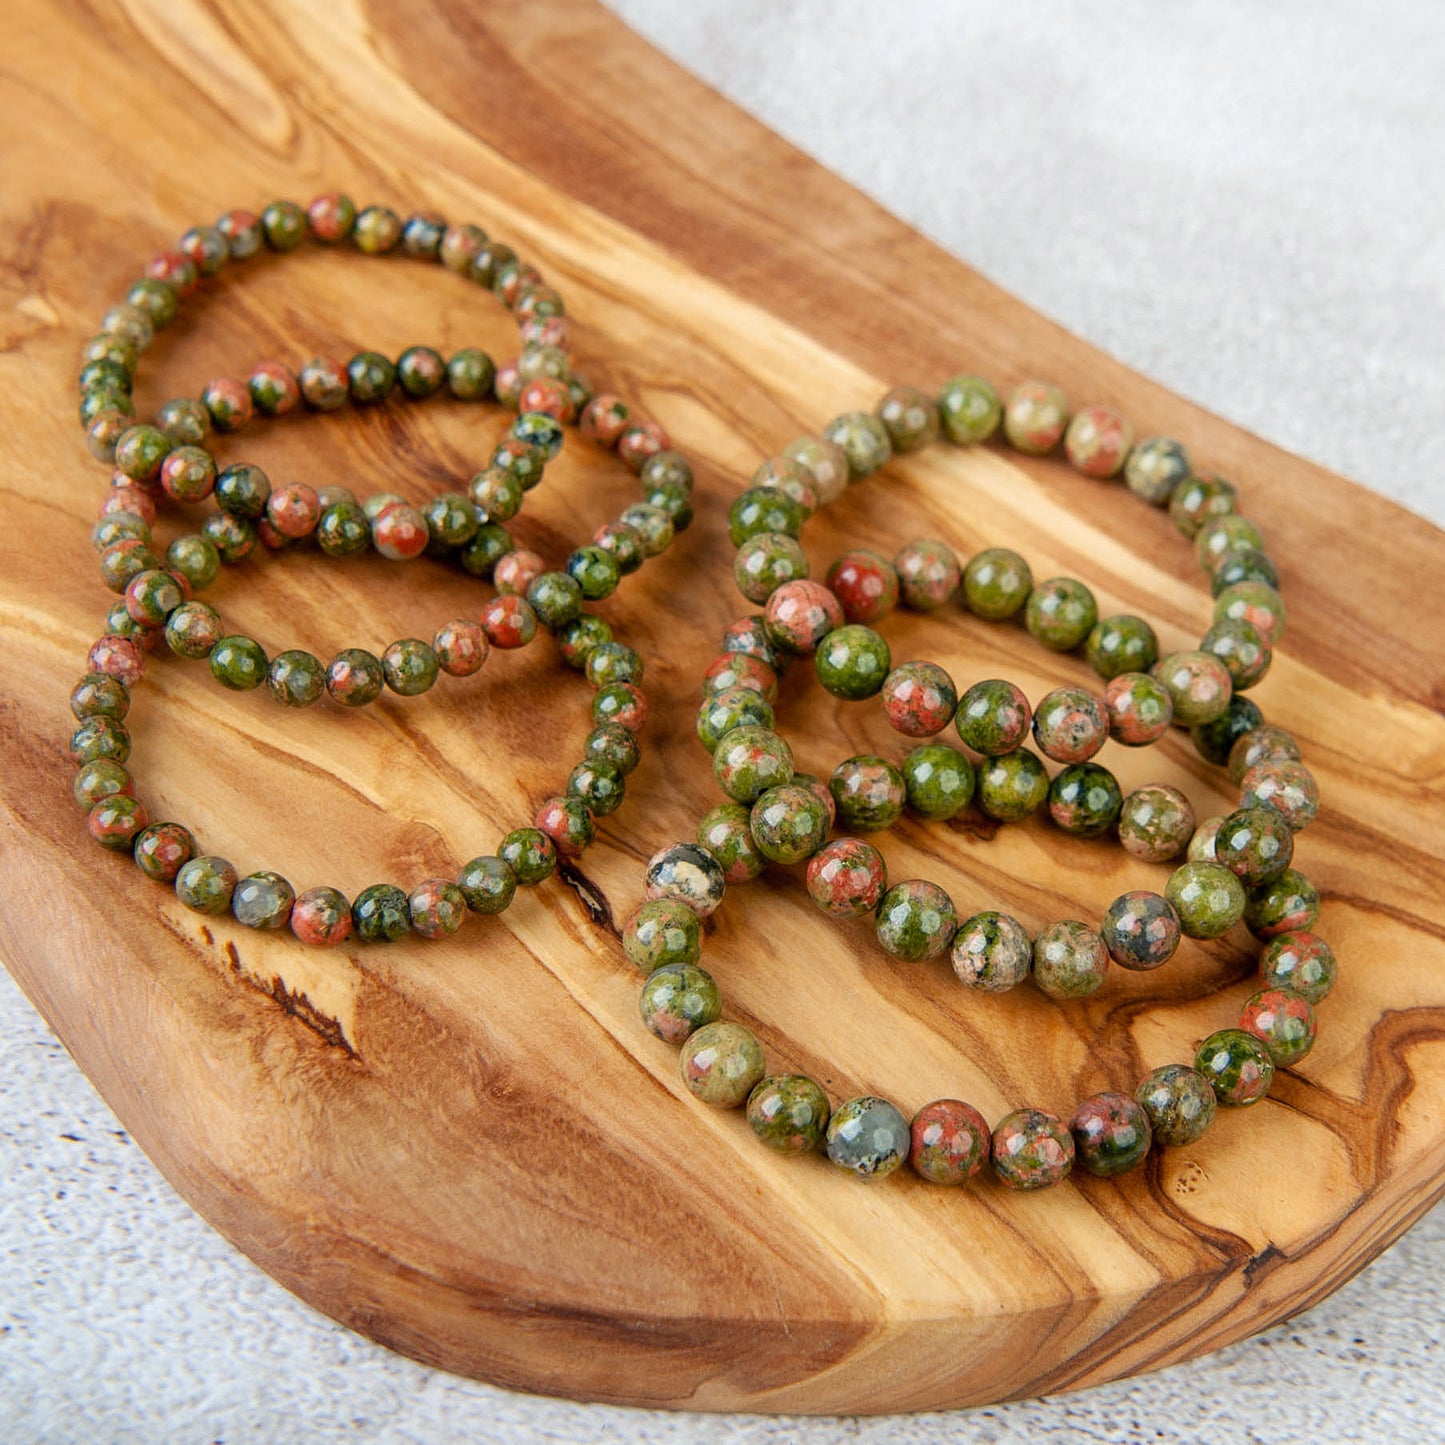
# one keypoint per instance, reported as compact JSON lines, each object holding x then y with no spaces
{"x":470,"y":1150}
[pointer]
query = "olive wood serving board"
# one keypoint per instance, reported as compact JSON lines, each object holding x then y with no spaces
{"x":470,"y":1150}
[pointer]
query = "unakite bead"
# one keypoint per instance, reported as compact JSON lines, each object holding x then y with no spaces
{"x":102,"y":778}
{"x":1070,"y":960}
{"x":595,"y":572}
{"x":1032,"y":1149}
{"x":487,"y":884}
{"x":847,"y":878}
{"x":1034,"y":417}
{"x":568,"y":822}
{"x":577,"y":638}
{"x":969,"y":409}
{"x":612,"y":743}
{"x":1288,"y":787}
{"x":185,"y":421}
{"x":151,"y":596}
{"x":471,"y":374}
{"x":620,"y":702}
{"x":789,"y":824}
{"x":1237,"y":1066}
{"x":1085,"y":799}
{"x":1287,"y":904}
{"x":1198,"y":685}
{"x":157,"y":299}
{"x":421,"y":371}
{"x":726,"y":832}
{"x":1201,"y":845}
{"x":993,"y":717}
{"x":295,"y":678}
{"x":1070,"y":725}
{"x":1255,"y":843}
{"x":1208,"y":898}
{"x":916,"y":920}
{"x":610,"y":662}
{"x":380,"y":914}
{"x":766,"y":562}
{"x":1255,"y":603}
{"x":355,"y":677}
{"x":799,"y":615}
{"x":599,"y":785}
{"x":1155,"y":823}
{"x":996,"y":583}
{"x":868,"y":1137}
{"x":1012,"y":785}
{"x":98,"y":695}
{"x":1257,"y":745}
{"x":234,"y":538}
{"x":919,"y":699}
{"x":750,"y":760}
{"x":1179,"y":1102}
{"x":652,"y":524}
{"x":761,"y":510}
{"x":1213,"y":740}
{"x":1154,"y":468}
{"x":115,"y":820}
{"x":1139,"y":709}
{"x":262,"y":900}
{"x":377,"y":230}
{"x":1245,"y":565}
{"x":1141,"y":930}
{"x":1111,"y":1134}
{"x":1219,"y":536}
{"x":1238,"y":644}
{"x":852,"y":662}
{"x":205,"y":884}
{"x":689,"y":874}
{"x":721,"y":1062}
{"x":788,"y":1112}
{"x":623,"y":544}
{"x":992,"y":952}
{"x":195,"y":558}
{"x":410,"y":666}
{"x":948,"y":1142}
{"x":910,"y":418}
{"x":937,"y":780}
{"x":1060,"y":613}
{"x":865,"y":584}
{"x":1283,"y":1021}
{"x":734,"y":707}
{"x":661,"y":931}
{"x":530,"y":854}
{"x":677,"y":1000}
{"x":451,"y":520}
{"x":869,"y":793}
{"x":1097,"y":441}
{"x":863,"y":439}
{"x":1119,"y":644}
{"x":1300,"y":961}
{"x":461,"y":647}
{"x":928,"y":574}
{"x":825,"y":463}
{"x":243,"y":490}
{"x":370,"y":377}
{"x":321,"y":917}
{"x":100,"y":737}
{"x":239,"y":663}
{"x":1197,"y":499}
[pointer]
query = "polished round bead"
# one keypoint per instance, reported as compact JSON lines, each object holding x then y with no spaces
{"x":996,"y":583}
{"x":969,"y":410}
{"x":1237,"y":1066}
{"x":409,"y":666}
{"x":863,"y":439}
{"x":151,"y":596}
{"x":599,"y":785}
{"x":381,"y":914}
{"x":1034,"y":417}
{"x":119,"y":657}
{"x":1119,"y":644}
{"x":400,"y":532}
{"x":919,"y":698}
{"x":789,"y":824}
{"x":734,"y":707}
{"x":766,"y":562}
{"x":726,"y":832}
{"x":188,"y":475}
{"x":847,"y":878}
{"x":262,"y":900}
{"x":99,"y":695}
{"x":619,"y":702}
{"x":761,"y":511}
{"x":1060,"y":613}
{"x":910,"y":417}
{"x":530,"y":854}
{"x":239,"y":663}
{"x":1070,"y":960}
{"x":471,"y":374}
{"x":661,"y":931}
{"x":916,"y":920}
{"x":993,"y":717}
{"x":1284,"y":1021}
{"x":1180,"y":1104}
{"x":1238,"y":644}
{"x":437,"y":907}
{"x":677,"y":1000}
{"x":938,"y":781}
{"x":852,"y":662}
{"x":1214,"y":739}
{"x":741,"y":669}
{"x":992,"y":952}
{"x":788,"y":1112}
{"x":102,"y":778}
{"x":1155,"y":467}
{"x":750,"y":760}
{"x":1301,"y":962}
{"x":1218,"y":536}
{"x":228,"y":400}
{"x":568,"y":822}
{"x":1155,"y":823}
{"x":1201,"y":845}
{"x":948,"y":1142}
{"x":1288,"y":788}
{"x":355,"y":677}
{"x":162,"y":849}
{"x":799,"y":615}
{"x":1244,"y":565}
{"x":1032,"y":1149}
{"x":791,"y":478}
{"x":1012,"y":785}
{"x":869,"y":793}
{"x":1139,"y":708}
{"x":687,"y":873}
{"x":865,"y":584}
{"x":205,"y":884}
{"x":928,"y":574}
{"x":509,"y":622}
{"x":610,"y":662}
{"x":1198,"y":685}
{"x":487,"y":884}
{"x":612,"y":743}
{"x":461,"y":647}
{"x":1111,"y":1133}
{"x":820,"y":791}
{"x":1085,"y":799}
{"x":295,"y":678}
{"x":1255,"y":843}
{"x":100,"y":737}
{"x":1141,"y":930}
{"x":1258,"y":745}
{"x":868,"y":1137}
{"x":1070,"y":725}
{"x":721,"y":1063}
{"x":1287,"y":904}
{"x":321,"y":917}
{"x":1208,"y":898}
{"x":377,"y":230}
{"x":1255,"y":603}
{"x":1196,"y":499}
{"x":115,"y":819}
{"x":1097,"y":441}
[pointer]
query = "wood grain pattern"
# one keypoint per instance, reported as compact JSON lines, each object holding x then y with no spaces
{"x":471,"y":1151}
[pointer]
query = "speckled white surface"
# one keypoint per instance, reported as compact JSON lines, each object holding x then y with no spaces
{"x":1242,"y":200}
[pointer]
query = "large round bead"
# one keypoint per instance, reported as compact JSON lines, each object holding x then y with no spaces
{"x":868,"y":1136}
{"x":687,"y":873}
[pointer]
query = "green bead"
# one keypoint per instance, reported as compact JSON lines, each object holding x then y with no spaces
{"x":666,"y":469}
{"x":938,"y":781}
{"x":100,"y":737}
{"x":993,"y":717}
{"x":421,"y":371}
{"x":140,"y":451}
{"x":1034,"y":417}
{"x":1111,"y":1134}
{"x":1208,"y":898}
{"x":1180,"y":1104}
{"x":863,"y":439}
{"x":296,"y":678}
{"x":734,"y":707}
{"x":193,"y":629}
{"x":283,"y":223}
{"x":1070,"y":960}
{"x":1237,"y":1065}
{"x":99,"y":695}
{"x":355,"y":677}
{"x":1195,"y":500}
{"x":765,"y":562}
{"x":243,"y":491}
{"x":471,"y":374}
{"x":727,"y":833}
{"x":410,"y":666}
{"x":195,"y":558}
{"x":721,"y":1062}
{"x":676,"y":502}
{"x":750,"y":760}
{"x":234,"y":538}
{"x":1238,"y":644}
{"x":1253,"y":602}
{"x":1154,"y":467}
{"x":1198,"y":685}
{"x":652,"y":524}
{"x":262,"y":900}
{"x":763,"y":509}
{"x":102,"y":778}
{"x":1301,"y":962}
{"x":1012,"y":785}
{"x":437,"y":908}
{"x":1283,"y":1021}
{"x":556,"y":599}
{"x":370,"y":377}
{"x":530,"y":854}
{"x":1258,"y":744}
{"x":996,"y":583}
{"x":868,"y":792}
{"x":157,"y":299}
{"x":909,"y":417}
{"x":239,"y":663}
{"x":205,"y":885}
{"x":1287,"y":904}
{"x":662,"y":932}
{"x":381,"y":914}
{"x":487,"y":884}
{"x":789,"y":1113}
{"x":595,"y":571}
{"x":1060,"y":613}
{"x":852,"y":661}
{"x":577,"y":638}
{"x":1085,"y":799}
{"x":916,"y":920}
{"x":613,"y":744}
{"x":969,"y":409}
{"x":1245,"y":565}
{"x":377,"y":230}
{"x":342,"y":530}
{"x":789,"y":823}
{"x":599,"y":785}
{"x":1156,"y":823}
{"x":610,"y":662}
{"x":1119,"y":644}
{"x":451,"y":519}
{"x":1214,"y":741}
{"x":677,"y":1000}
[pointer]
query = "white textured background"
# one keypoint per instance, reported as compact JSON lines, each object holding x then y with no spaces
{"x":1246,"y":202}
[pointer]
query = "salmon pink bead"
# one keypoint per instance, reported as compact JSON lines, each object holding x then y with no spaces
{"x":400,"y":532}
{"x":115,"y":820}
{"x":126,"y":496}
{"x":294,"y":510}
{"x":799,"y":615}
{"x":919,"y":699}
{"x":545,"y":331}
{"x":1097,"y":441}
{"x":640,"y":440}
{"x":928,"y":574}
{"x":270,"y":536}
{"x":847,"y":878}
{"x":188,"y":474}
{"x":865,"y":584}
{"x":949,"y":1142}
{"x":741,"y":669}
{"x":229,"y":403}
{"x":516,"y":572}
{"x":509,"y":621}
{"x":321,"y":917}
{"x":547,"y":395}
{"x":1139,"y":708}
{"x":508,"y":384}
{"x":117,"y":657}
{"x":1283,"y":1021}
{"x":604,"y":419}
{"x":176,"y":269}
{"x":461,"y":647}
{"x":567,"y":821}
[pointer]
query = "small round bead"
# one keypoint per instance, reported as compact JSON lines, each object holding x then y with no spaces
{"x":228,"y":401}
{"x":377,"y":230}
{"x":409,"y":666}
{"x":1198,"y":685}
{"x":460,"y":246}
{"x":919,"y":698}
{"x":321,"y":917}
{"x":868,"y":1137}
{"x":1085,"y":800}
{"x":599,"y":785}
{"x":1197,"y":499}
{"x":864,"y":442}
{"x":1245,"y":565}
{"x":993,"y":717}
{"x":331,"y":217}
{"x":1012,"y":785}
{"x":687,"y":873}
{"x":619,"y":702}
{"x":1284,"y":1021}
{"x":612,"y":743}
{"x":1209,"y":899}
{"x":852,"y":662}
{"x":734,"y":707}
{"x":749,"y":637}
{"x":100,"y":737}
{"x":1097,"y":441}
{"x":514,"y":574}
{"x":1032,"y":1149}
{"x":1121,"y":644}
{"x":1289,"y":788}
{"x":938,"y":781}
{"x":487,"y":884}
{"x":661,"y":931}
{"x":274,"y":390}
{"x":595,"y":572}
{"x":1139,"y":707}
{"x":262,"y":900}
{"x":1288,"y":904}
{"x":969,"y":409}
{"x":948,"y":1142}
{"x":98,"y":695}
{"x":1256,"y":746}
{"x":750,"y":760}
{"x":355,"y":677}
{"x":788,"y":1112}
{"x":761,"y":511}
{"x":239,"y":663}
{"x":1070,"y":960}
{"x":556,"y":599}
{"x":283,"y":224}
{"x":1237,"y":1065}
{"x":151,"y":596}
{"x":1034,"y":417}
{"x":1180,"y":1104}
{"x":910,"y":417}
{"x":916,"y":920}
{"x":103,"y":778}
{"x":996,"y":583}
{"x":1060,"y":613}
{"x":1238,"y":644}
{"x":293,"y":511}
{"x":1301,"y":962}
{"x":1111,"y":1134}
{"x":1155,"y":823}
{"x":652,"y":524}
{"x":677,"y":1000}
{"x":1213,"y":740}
{"x":928,"y":574}
{"x":1070,"y":725}
{"x":865,"y":584}
{"x":639,"y":441}
{"x":869,"y":793}
{"x":1218,"y":536}
{"x":726,"y":832}
{"x":461,"y":647}
{"x":509,"y":622}
{"x":118,"y":657}
{"x":788,"y":824}
{"x":295,"y":678}
{"x":188,"y":474}
{"x":1155,"y":467}
{"x":992,"y":952}
{"x":740,"y":669}
{"x":799,"y":615}
{"x":721,"y":1063}
{"x":437,"y":907}
{"x":567,"y":821}
{"x":162,"y":849}
{"x":1141,"y":930}
{"x":1255,"y":843}
{"x":421,"y":371}
{"x":825,"y":462}
{"x":847,"y":878}
{"x":471,"y":374}
{"x":205,"y":884}
{"x":381,"y":914}
{"x":530,"y":854}
{"x":1253,"y":602}
{"x":157,"y":299}
{"x":177,"y":270}
{"x":400,"y":532}
{"x":194,"y":559}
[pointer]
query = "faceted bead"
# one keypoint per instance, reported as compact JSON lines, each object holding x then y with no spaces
{"x":969,"y":409}
{"x":788,"y":824}
{"x":865,"y":584}
{"x":1301,"y":962}
{"x":1256,"y":746}
{"x":1060,"y":613}
{"x":863,"y":439}
{"x":948,"y":1142}
{"x":437,"y":907}
{"x":1119,"y":644}
{"x":992,"y":952}
{"x":1012,"y":785}
{"x":530,"y":854}
{"x":355,"y":677}
{"x":1237,"y":1065}
{"x":321,"y":917}
{"x":1208,"y":898}
{"x":677,"y":1000}
{"x":868,"y":1137}
{"x":1198,"y":685}
{"x":262,"y":900}
{"x":910,"y":417}
{"x":869,"y":793}
{"x":938,"y":781}
{"x":1179,"y":1102}
{"x":788,"y":1112}
{"x":996,"y":583}
{"x":487,"y":884}
{"x":1156,"y":823}
{"x":1155,"y":467}
{"x":847,"y":878}
{"x":993,"y":717}
{"x":205,"y":884}
{"x":1139,"y":709}
{"x":928,"y":574}
{"x":690,"y":874}
{"x":1097,"y":441}
{"x":1283,"y":1021}
{"x":1141,"y":930}
{"x":721,"y":1063}
{"x":1255,"y":843}
{"x":852,"y":662}
{"x":1289,"y":788}
{"x":381,"y":914}
{"x":1070,"y":960}
{"x":750,"y":760}
{"x":1032,"y":1149}
{"x":916,"y":920}
{"x":726,"y":832}
{"x":1111,"y":1134}
{"x":800,"y":615}
{"x":1288,"y":904}
{"x":1085,"y":799}
{"x":1070,"y":725}
{"x":919,"y":698}
{"x":1034,"y":417}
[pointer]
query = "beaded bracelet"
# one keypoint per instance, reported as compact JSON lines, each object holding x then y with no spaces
{"x":948,"y":1141}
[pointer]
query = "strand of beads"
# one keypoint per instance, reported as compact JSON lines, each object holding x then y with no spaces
{"x":948,"y":1140}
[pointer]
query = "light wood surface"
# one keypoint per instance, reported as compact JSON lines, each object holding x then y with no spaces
{"x":471,"y":1150}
